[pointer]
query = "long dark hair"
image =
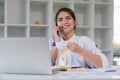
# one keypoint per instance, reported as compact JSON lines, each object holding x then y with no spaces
{"x":69,"y":11}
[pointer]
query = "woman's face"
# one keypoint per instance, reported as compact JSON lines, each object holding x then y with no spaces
{"x":65,"y":22}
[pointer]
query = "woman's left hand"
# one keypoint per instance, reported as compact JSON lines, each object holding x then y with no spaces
{"x":74,"y":47}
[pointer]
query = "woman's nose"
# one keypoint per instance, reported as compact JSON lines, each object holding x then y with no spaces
{"x":64,"y":21}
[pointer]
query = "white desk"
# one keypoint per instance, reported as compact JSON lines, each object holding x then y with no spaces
{"x":65,"y":76}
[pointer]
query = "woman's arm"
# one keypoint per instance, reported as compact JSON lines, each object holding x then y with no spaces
{"x":92,"y":58}
{"x":54,"y":51}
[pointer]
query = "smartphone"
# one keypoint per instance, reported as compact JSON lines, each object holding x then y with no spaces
{"x":58,"y":33}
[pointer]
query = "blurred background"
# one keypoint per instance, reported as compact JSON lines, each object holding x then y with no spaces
{"x":116,"y":35}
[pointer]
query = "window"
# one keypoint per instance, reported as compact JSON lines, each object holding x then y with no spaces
{"x":116,"y":60}
{"x":116,"y":35}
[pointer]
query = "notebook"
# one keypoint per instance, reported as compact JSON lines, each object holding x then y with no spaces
{"x":25,"y":56}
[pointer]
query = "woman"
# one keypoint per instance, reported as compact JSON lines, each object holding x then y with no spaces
{"x":75,"y":50}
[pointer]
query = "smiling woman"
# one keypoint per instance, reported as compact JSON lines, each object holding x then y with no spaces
{"x":72,"y":50}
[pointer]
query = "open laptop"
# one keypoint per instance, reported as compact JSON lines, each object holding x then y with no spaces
{"x":25,"y":56}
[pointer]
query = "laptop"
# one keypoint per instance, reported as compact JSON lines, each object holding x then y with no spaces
{"x":25,"y":56}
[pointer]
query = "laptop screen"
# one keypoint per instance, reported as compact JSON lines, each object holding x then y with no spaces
{"x":25,"y":55}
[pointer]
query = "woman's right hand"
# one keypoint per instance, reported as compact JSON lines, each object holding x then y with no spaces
{"x":55,"y":34}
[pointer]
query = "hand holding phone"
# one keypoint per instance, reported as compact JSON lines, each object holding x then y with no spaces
{"x":57,"y":33}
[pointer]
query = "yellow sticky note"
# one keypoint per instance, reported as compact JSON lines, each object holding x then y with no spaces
{"x":63,"y":58}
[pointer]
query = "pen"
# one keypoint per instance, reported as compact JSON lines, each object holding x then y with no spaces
{"x":76,"y":67}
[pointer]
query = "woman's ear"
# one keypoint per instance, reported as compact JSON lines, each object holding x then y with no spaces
{"x":75,"y":22}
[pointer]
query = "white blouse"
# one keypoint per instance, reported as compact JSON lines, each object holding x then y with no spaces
{"x":75,"y":59}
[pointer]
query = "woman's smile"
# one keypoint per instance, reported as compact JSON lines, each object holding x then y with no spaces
{"x":66,"y":26}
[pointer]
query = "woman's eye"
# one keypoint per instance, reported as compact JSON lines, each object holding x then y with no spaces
{"x":59,"y":20}
{"x":68,"y":18}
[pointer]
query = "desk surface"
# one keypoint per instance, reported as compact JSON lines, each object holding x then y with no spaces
{"x":92,"y":74}
{"x":64,"y":76}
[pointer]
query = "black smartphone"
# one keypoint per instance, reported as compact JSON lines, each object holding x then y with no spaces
{"x":58,"y":33}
